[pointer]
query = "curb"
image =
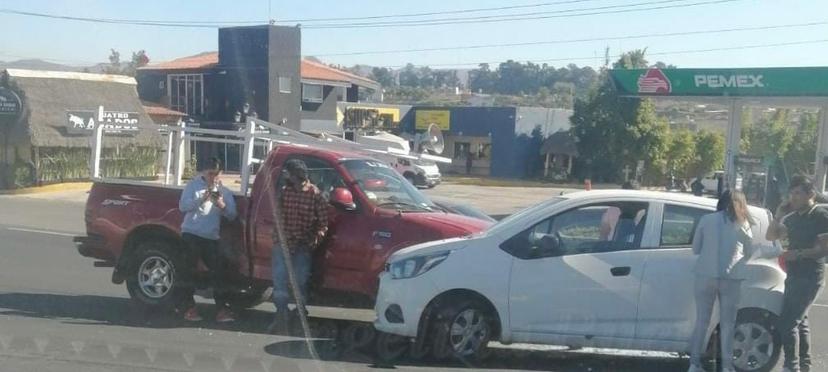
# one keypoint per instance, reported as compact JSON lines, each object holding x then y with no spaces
{"x":71,"y":186}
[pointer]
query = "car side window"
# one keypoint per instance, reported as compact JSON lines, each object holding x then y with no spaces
{"x":679,"y":225}
{"x":320,"y":173}
{"x":595,"y":228}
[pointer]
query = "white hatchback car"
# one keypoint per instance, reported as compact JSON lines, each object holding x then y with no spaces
{"x":608,"y":269}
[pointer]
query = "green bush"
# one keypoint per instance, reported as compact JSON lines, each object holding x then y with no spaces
{"x":61,"y":164}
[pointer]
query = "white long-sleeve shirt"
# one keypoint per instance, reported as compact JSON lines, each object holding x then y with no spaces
{"x":201,"y":217}
{"x":723,"y":247}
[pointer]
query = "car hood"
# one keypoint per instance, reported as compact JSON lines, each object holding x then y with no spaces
{"x":427,"y":248}
{"x":428,"y":169}
{"x":447,"y":225}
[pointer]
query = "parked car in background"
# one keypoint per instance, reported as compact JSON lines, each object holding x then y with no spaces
{"x":711,"y":182}
{"x":607,"y":269}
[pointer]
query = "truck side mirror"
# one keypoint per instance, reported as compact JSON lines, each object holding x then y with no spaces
{"x":342,"y":198}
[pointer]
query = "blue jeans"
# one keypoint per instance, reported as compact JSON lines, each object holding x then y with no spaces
{"x":282,"y":292}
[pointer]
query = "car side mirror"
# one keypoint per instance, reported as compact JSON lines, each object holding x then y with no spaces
{"x":343,"y":198}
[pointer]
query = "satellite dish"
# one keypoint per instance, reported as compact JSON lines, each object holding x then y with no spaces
{"x":434,"y":141}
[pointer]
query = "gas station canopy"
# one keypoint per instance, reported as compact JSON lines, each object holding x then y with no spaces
{"x":738,"y":87}
{"x":721,"y":82}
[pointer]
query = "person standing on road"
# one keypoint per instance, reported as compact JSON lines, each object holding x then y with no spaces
{"x":205,"y":201}
{"x":303,"y":215}
{"x":723,"y":243}
{"x":805,"y":225}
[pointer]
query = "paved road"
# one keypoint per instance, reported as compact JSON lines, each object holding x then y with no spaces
{"x":58,"y":313}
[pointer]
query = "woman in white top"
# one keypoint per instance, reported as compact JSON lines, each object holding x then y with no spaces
{"x":723,"y":244}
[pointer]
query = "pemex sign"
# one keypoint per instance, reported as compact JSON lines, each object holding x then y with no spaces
{"x":734,"y":82}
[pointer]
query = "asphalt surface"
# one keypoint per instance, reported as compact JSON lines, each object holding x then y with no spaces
{"x":59,"y":313}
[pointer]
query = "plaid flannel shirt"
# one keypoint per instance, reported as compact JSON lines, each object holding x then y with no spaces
{"x":304,"y":216}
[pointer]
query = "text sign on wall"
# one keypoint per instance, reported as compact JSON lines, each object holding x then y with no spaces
{"x":85,"y":121}
{"x":424,"y":118}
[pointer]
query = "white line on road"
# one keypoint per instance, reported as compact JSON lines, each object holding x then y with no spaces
{"x":820,"y":305}
{"x":41,"y":231}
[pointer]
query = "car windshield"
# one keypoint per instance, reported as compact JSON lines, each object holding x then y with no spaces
{"x":384,"y":187}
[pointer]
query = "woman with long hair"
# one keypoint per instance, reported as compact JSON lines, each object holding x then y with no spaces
{"x":723,"y":243}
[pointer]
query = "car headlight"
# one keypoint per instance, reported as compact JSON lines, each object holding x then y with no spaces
{"x":416,"y":266}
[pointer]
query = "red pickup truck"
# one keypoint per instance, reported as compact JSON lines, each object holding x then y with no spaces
{"x":374,"y":212}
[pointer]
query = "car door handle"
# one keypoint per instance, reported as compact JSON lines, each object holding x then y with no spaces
{"x":620,"y":271}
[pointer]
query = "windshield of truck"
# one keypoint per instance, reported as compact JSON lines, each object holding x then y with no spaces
{"x":384,"y":187}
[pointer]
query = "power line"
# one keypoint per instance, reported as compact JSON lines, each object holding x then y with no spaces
{"x":499,"y":16}
{"x":507,"y":18}
{"x":572,"y":41}
{"x":424,"y":22}
{"x":688,"y":51}
{"x":458,"y":11}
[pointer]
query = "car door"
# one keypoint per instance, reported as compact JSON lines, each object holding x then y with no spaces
{"x":578,"y":272}
{"x":667,"y":309}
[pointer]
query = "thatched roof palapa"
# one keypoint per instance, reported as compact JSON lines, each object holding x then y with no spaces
{"x":50,"y":94}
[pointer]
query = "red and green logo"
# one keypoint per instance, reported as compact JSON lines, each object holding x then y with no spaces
{"x":654,"y":82}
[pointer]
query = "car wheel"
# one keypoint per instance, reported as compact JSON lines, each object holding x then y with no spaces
{"x":410,"y":178}
{"x":390,"y":347}
{"x":357,"y":336}
{"x":757,"y":343}
{"x":463,"y":330}
{"x":153,"y":277}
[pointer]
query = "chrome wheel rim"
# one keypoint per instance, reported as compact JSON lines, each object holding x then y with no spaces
{"x":155,"y":277}
{"x":752,"y":346}
{"x":468,"y":333}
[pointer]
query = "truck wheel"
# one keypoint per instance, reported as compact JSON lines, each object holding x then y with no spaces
{"x":757,"y":343}
{"x":463,"y":329}
{"x":250,"y":298}
{"x":152,"y":278}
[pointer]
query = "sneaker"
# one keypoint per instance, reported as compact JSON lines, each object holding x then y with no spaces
{"x":225,"y":315}
{"x":191,"y":315}
{"x":280,"y":323}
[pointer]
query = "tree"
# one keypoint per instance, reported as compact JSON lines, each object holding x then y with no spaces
{"x":681,"y":152}
{"x":409,"y":77}
{"x":114,"y":62}
{"x":139,"y":59}
{"x":802,"y":151}
{"x":613,"y":131}
{"x":710,"y":149}
{"x":632,"y":60}
{"x":384,"y":76}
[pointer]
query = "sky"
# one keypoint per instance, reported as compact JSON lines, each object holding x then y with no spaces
{"x":85,"y":43}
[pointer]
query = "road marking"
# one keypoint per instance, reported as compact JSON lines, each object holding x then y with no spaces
{"x":41,"y":231}
{"x":820,"y":305}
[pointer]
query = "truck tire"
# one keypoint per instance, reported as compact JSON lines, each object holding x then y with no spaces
{"x":410,"y":178}
{"x":250,"y":298}
{"x":152,"y":279}
{"x":390,"y":348}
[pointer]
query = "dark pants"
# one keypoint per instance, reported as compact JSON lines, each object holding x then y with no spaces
{"x":800,"y":294}
{"x":210,"y":253}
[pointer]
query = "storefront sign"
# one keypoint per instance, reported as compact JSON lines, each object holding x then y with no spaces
{"x":748,"y":160}
{"x":737,"y":82}
{"x":424,"y":118}
{"x":9,"y":103}
{"x":84,"y":122}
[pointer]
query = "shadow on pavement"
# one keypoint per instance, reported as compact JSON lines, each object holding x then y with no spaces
{"x":102,"y":310}
{"x":501,"y":359}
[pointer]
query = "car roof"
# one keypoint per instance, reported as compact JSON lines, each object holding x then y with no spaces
{"x":641,"y":194}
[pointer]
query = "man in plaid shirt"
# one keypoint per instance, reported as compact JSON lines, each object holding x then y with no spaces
{"x":303,"y":215}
